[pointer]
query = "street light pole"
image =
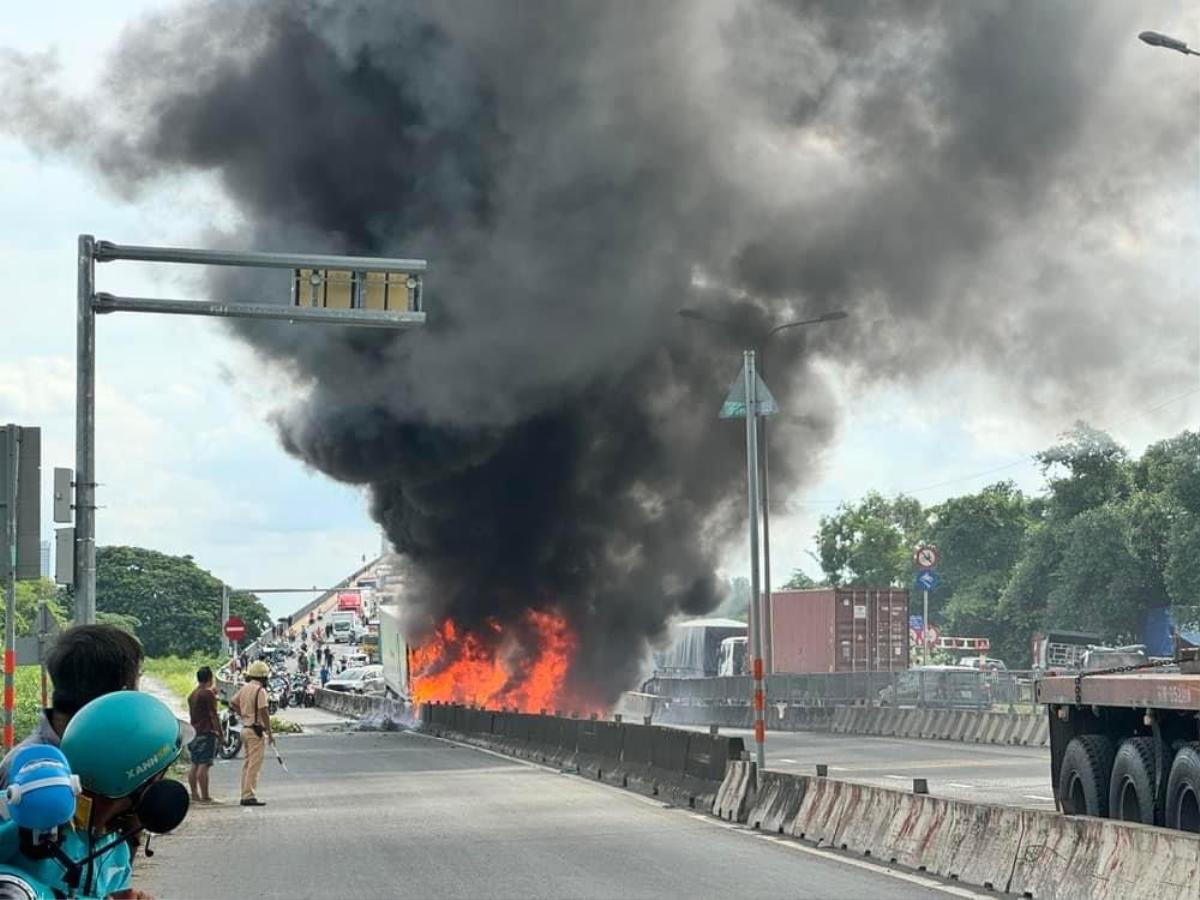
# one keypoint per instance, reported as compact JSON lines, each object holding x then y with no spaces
{"x":760,"y":606}
{"x":756,"y":642}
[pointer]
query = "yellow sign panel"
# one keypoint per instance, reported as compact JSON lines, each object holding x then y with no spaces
{"x":341,"y":289}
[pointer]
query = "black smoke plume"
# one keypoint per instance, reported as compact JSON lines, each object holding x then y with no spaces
{"x":958,"y":176}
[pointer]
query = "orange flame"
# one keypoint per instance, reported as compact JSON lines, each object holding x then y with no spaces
{"x":496,"y":670}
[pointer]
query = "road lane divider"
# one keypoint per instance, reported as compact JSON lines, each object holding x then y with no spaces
{"x":1036,"y":853}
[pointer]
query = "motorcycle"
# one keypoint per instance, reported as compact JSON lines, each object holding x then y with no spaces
{"x":298,"y":690}
{"x":231,"y":746}
{"x":310,"y":694}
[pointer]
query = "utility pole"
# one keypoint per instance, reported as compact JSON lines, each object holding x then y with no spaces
{"x":10,"y":606}
{"x":224,"y":619}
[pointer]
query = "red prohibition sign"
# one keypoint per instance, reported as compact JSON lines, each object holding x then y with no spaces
{"x":926,"y":557}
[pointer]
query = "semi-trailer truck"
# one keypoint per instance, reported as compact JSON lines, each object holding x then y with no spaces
{"x":1125,"y":741}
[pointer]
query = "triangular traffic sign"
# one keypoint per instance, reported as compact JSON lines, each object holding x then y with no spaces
{"x":734,"y":406}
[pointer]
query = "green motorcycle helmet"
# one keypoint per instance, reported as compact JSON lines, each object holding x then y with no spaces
{"x":119,"y":741}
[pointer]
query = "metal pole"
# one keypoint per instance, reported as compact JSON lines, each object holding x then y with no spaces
{"x":85,"y":436}
{"x":767,"y":622}
{"x":224,"y":619}
{"x":925,"y":626}
{"x":41,"y":636}
{"x":755,"y":594}
{"x":10,"y":605}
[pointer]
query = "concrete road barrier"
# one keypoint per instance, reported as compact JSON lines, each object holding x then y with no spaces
{"x":686,"y":768}
{"x":1032,"y":852}
{"x":737,"y":791}
{"x":776,"y":802}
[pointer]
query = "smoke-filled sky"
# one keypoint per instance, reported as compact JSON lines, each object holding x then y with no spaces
{"x":993,"y":189}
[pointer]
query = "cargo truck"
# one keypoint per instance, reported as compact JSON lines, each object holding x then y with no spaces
{"x":393,"y":652}
{"x":1124,"y":741}
{"x":840,"y":630}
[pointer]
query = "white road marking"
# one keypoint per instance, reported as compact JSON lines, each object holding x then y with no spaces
{"x":899,"y":777}
{"x":1038,"y":797}
{"x":875,"y":868}
{"x":955,"y":784}
{"x":789,"y":761}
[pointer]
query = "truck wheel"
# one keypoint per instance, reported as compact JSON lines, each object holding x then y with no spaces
{"x":1183,"y":790}
{"x":1084,"y":776}
{"x":1131,"y":791}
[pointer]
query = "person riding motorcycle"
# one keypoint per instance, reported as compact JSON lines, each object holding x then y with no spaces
{"x":118,"y":748}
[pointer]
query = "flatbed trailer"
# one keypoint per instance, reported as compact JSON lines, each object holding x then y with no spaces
{"x":1126,"y":745}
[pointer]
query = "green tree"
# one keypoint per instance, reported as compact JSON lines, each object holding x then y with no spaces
{"x":870,"y":544}
{"x":980,"y":537}
{"x":1096,"y":470}
{"x":30,"y":595}
{"x":173,"y":605}
{"x":800,"y":581}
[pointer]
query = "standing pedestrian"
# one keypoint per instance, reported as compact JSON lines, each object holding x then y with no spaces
{"x":251,"y":703}
{"x":324,"y":675}
{"x":312,"y":662}
{"x":206,"y":720}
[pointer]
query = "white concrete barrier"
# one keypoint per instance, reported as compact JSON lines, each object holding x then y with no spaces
{"x":1032,"y":852}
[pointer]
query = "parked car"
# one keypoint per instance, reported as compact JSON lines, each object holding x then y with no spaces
{"x":359,"y":680}
{"x":938,"y":687}
{"x":357,"y":661}
{"x":984,"y":663}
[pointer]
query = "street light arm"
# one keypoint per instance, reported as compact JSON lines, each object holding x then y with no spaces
{"x":1158,"y":39}
{"x":827,"y":317}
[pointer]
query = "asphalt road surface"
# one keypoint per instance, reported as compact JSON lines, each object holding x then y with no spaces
{"x":404,"y":815}
{"x":982,"y":773}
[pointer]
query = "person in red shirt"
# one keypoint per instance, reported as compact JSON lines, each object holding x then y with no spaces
{"x":202,"y":709}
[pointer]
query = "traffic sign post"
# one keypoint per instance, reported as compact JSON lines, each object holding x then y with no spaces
{"x":926,"y":558}
{"x":235,"y":629}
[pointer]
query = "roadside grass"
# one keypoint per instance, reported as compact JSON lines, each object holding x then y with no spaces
{"x":27,"y":682}
{"x":179,"y":674}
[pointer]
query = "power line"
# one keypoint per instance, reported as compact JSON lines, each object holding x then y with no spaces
{"x":1025,"y":460}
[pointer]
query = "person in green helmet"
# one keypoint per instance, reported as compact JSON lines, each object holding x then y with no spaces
{"x":119,"y":746}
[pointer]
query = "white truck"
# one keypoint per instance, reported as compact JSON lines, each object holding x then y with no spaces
{"x":347,"y":627}
{"x":393,"y":652}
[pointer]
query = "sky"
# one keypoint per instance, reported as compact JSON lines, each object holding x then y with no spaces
{"x":188,"y":462}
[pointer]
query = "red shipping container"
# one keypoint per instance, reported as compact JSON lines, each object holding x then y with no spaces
{"x":840,"y":630}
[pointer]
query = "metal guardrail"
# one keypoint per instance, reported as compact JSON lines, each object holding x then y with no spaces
{"x":912,"y":688}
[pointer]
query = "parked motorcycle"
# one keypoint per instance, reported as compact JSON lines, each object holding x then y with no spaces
{"x":231,"y":746}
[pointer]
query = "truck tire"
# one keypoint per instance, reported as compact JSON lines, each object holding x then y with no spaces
{"x":1183,"y":790}
{"x":1131,"y":793}
{"x":1084,"y":775}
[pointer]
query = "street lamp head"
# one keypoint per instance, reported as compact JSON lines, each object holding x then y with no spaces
{"x":834,"y":316}
{"x":1158,"y":39}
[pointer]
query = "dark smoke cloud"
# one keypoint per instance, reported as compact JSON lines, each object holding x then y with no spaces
{"x":964,"y":177}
